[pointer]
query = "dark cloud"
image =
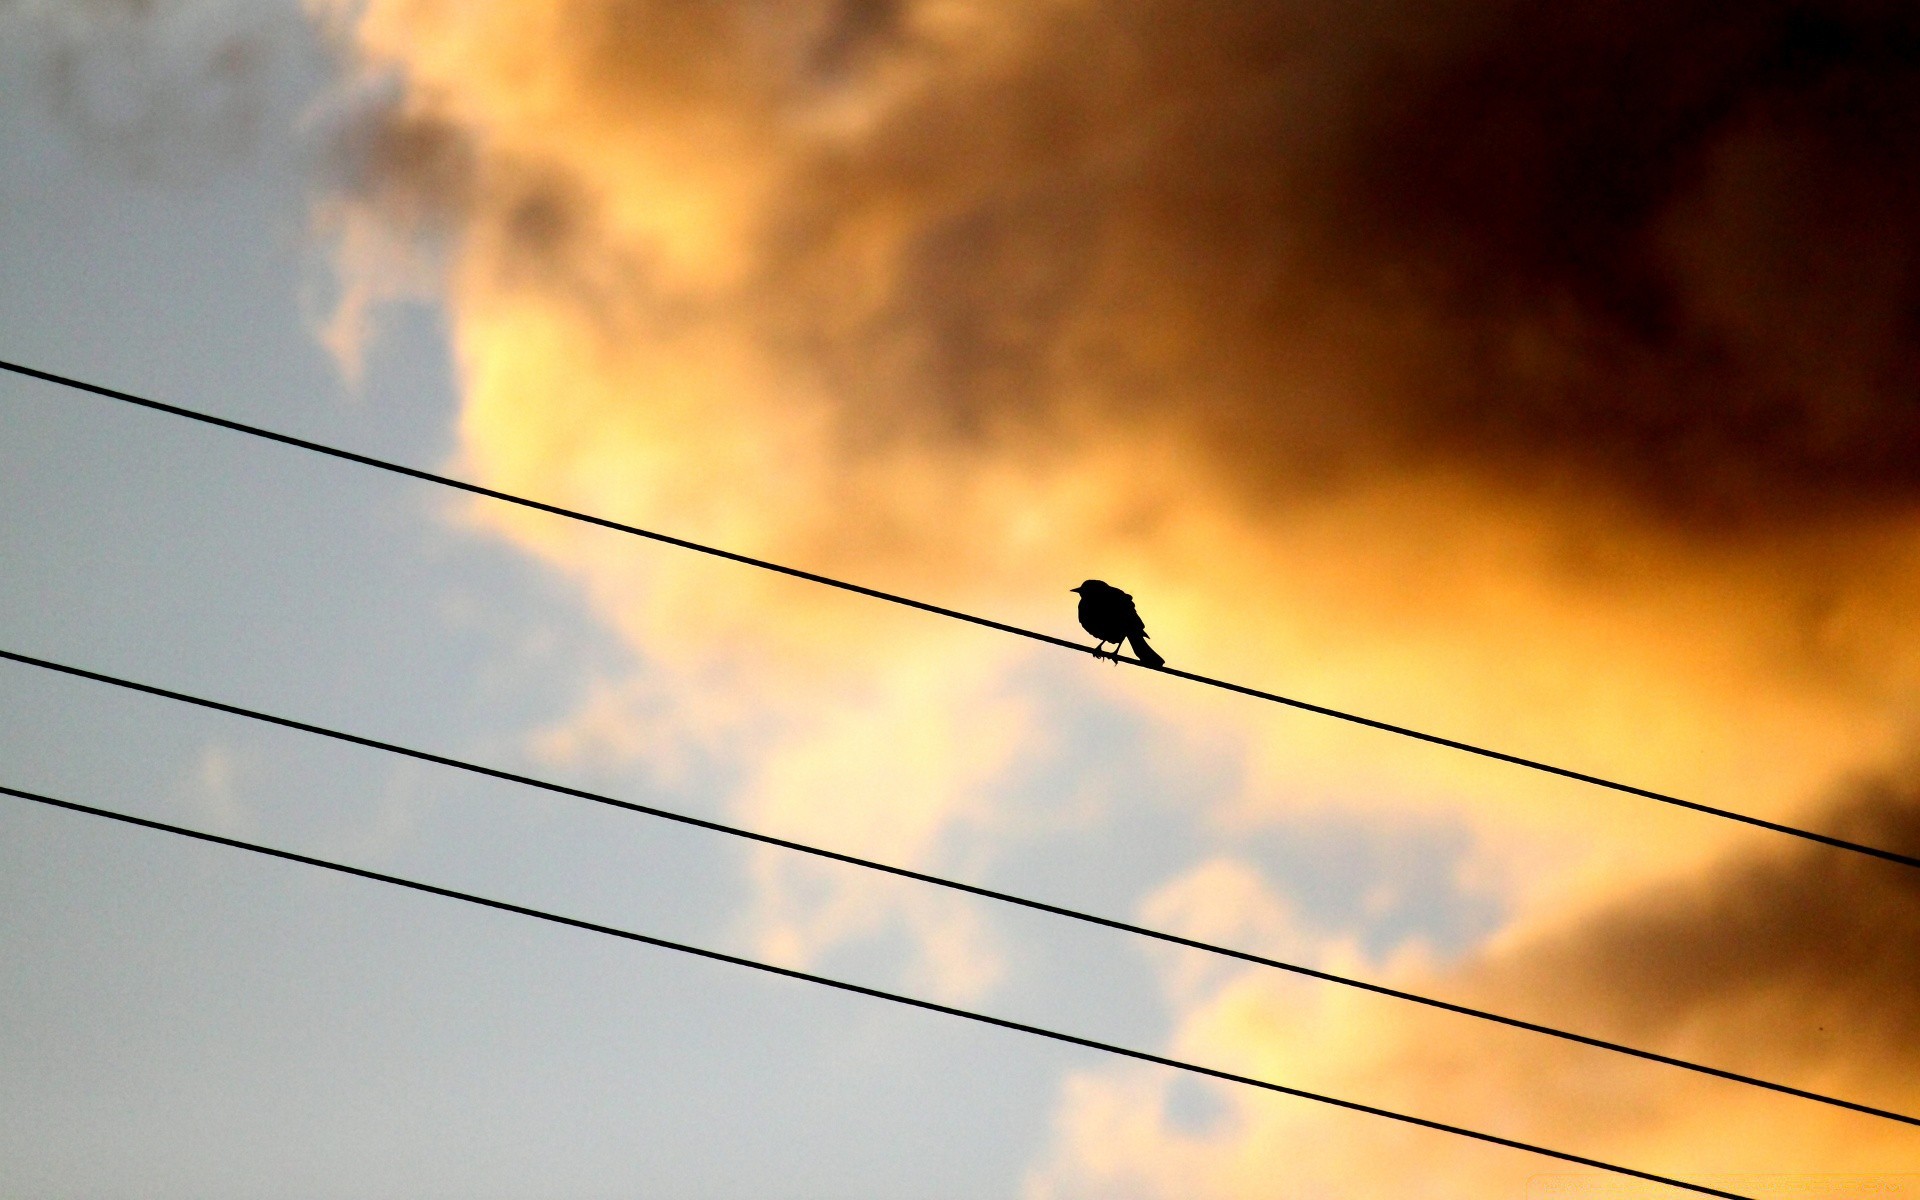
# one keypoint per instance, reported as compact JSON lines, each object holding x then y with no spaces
{"x":420,"y":171}
{"x":164,"y":86}
{"x":1660,"y":256}
{"x":1677,"y":243}
{"x":1798,"y":954}
{"x":1657,"y":252}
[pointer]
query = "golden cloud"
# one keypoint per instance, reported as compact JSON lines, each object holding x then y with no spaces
{"x":1543,"y":375}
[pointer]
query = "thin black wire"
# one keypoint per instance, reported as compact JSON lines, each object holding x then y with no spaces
{"x":985,"y":622}
{"x":857,"y":989}
{"x":923,"y":606}
{"x":955,"y":885}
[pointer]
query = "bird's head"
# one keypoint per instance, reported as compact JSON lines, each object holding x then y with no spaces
{"x":1091,"y":585}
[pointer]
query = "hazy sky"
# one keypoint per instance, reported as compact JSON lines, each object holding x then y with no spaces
{"x":1539,"y":374}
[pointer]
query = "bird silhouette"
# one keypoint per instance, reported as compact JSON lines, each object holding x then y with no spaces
{"x":1108,"y":613}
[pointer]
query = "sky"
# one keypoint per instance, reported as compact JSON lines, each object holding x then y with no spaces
{"x":1541,"y":375}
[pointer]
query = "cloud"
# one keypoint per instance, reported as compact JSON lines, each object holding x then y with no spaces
{"x":1543,"y":375}
{"x":1228,"y":903}
{"x":973,"y":256}
{"x":1781,"y":958}
{"x":900,"y":772}
{"x":163,"y":87}
{"x":1677,"y":248}
{"x":1643,"y":249}
{"x":1786,"y":963}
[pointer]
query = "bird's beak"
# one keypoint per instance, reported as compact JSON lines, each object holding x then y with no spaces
{"x":1073,"y":589}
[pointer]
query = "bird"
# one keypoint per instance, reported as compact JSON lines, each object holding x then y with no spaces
{"x":1108,"y":613}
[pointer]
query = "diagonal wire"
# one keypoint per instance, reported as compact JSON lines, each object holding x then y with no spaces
{"x":954,"y":885}
{"x":875,"y":993}
{"x":954,"y":614}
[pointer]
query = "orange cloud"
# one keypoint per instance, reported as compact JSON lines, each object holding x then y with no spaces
{"x":1443,"y":362}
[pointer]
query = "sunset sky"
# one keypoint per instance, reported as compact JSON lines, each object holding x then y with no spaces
{"x":1543,"y":375}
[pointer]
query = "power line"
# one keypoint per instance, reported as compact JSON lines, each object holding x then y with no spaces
{"x":954,"y":614}
{"x":875,"y":993}
{"x":952,"y":884}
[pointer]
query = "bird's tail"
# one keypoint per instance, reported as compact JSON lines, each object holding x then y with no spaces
{"x":1145,"y":653}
